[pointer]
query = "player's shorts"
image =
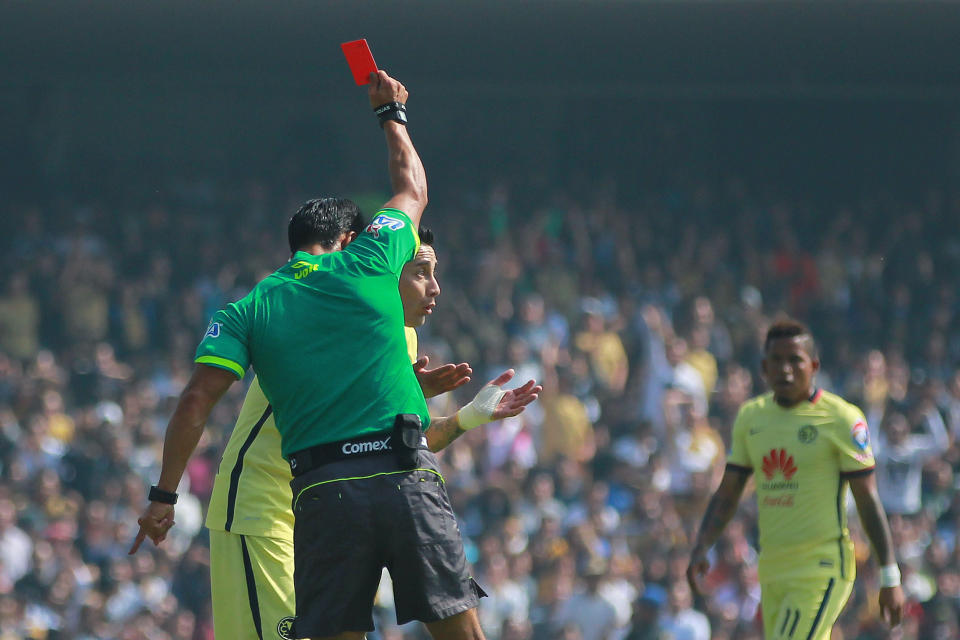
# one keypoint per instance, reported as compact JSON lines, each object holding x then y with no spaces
{"x":802,"y":608}
{"x":354,"y":517}
{"x":251,"y":581}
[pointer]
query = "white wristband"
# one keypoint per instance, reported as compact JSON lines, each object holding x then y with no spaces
{"x":889,"y":576}
{"x":480,"y":410}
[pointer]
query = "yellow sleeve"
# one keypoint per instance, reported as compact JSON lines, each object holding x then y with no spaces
{"x":739,"y":456}
{"x":852,"y":441}
{"x":411,"y":335}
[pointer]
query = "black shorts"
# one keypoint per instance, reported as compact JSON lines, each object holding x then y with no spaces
{"x":354,"y":517}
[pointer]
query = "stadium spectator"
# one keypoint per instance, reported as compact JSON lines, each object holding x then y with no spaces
{"x":19,"y":319}
{"x":566,"y":430}
{"x":680,"y":620}
{"x":901,"y":456}
{"x":593,"y":615}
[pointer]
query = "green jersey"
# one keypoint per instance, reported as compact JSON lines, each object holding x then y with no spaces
{"x":325,"y":337}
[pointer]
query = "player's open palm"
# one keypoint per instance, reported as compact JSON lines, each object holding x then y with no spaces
{"x":891,"y":604}
{"x":445,"y":378}
{"x":514,"y":401}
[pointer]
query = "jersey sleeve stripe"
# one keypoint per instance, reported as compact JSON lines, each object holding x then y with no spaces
{"x":739,"y":468}
{"x":222,"y":363}
{"x":858,"y":473}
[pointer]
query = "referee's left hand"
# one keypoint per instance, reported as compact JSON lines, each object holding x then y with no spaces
{"x":154,"y":523}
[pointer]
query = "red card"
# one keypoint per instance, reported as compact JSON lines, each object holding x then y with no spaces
{"x":360,"y":60}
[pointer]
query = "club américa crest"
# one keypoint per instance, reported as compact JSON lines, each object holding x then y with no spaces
{"x":285,"y":628}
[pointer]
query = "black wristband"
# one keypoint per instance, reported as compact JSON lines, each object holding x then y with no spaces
{"x":159,"y":495}
{"x":396,"y":111}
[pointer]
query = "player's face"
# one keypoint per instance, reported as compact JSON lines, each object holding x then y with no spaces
{"x":419,"y":287}
{"x":789,"y":369}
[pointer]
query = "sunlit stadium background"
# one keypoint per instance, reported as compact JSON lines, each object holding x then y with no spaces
{"x":624,"y":194}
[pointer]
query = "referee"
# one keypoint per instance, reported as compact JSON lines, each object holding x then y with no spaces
{"x":324,"y":333}
{"x":250,"y":521}
{"x":249,"y":518}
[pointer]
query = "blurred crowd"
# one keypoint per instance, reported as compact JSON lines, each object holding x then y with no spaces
{"x":642,"y":316}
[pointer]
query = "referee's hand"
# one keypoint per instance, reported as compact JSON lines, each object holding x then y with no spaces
{"x":383,"y":89}
{"x":154,"y":523}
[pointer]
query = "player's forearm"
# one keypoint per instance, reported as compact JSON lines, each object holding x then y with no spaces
{"x":719,"y":513}
{"x":407,"y":176}
{"x":442,"y":432}
{"x":874,"y":521}
{"x":721,"y":509}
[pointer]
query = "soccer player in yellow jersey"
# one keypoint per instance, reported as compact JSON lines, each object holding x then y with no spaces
{"x":250,"y":517}
{"x":804,"y":446}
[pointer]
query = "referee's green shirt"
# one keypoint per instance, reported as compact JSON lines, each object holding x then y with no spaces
{"x":325,"y":337}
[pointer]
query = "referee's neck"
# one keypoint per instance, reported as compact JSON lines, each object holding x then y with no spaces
{"x":318,"y":249}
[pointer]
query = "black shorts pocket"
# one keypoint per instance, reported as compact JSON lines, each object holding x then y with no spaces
{"x":316,"y":508}
{"x":424,"y":513}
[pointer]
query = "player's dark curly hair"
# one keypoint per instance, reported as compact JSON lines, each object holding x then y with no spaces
{"x":323,"y":221}
{"x":785,"y":327}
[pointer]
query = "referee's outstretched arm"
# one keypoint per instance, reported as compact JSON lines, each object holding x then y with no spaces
{"x":407,"y":177}
{"x":205,"y":388}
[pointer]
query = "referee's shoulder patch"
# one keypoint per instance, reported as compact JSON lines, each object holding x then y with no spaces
{"x":213,"y":331}
{"x":383,"y":221}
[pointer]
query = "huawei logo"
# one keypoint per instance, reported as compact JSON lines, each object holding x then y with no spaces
{"x":778,"y":459}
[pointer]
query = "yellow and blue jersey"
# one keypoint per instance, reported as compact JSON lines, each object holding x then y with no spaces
{"x":802,"y":457}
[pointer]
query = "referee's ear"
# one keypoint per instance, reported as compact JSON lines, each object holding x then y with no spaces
{"x":347,"y":238}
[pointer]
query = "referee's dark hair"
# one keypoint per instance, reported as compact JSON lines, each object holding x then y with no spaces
{"x":426,"y":235}
{"x":786,"y":327}
{"x":323,"y":221}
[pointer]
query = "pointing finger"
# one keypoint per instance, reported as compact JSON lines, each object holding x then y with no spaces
{"x":137,"y":542}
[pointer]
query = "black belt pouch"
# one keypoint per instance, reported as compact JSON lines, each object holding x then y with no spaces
{"x":406,"y":439}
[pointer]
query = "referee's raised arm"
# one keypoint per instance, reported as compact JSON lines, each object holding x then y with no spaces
{"x":388,"y":97}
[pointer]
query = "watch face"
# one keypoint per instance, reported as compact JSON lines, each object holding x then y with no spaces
{"x":401,"y":116}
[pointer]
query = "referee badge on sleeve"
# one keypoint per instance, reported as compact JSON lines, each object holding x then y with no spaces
{"x":384,"y":222}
